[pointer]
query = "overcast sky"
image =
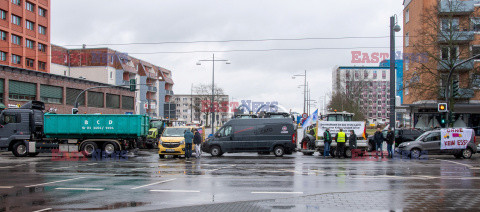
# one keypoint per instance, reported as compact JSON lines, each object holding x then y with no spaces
{"x":254,"y":75}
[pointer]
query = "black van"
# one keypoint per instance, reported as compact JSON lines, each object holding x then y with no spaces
{"x":275,"y":135}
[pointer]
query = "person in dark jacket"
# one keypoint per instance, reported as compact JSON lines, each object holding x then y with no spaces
{"x":378,"y":139}
{"x":390,"y":141}
{"x":197,"y":140}
{"x":352,"y":140}
{"x":188,"y":143}
{"x":327,"y":139}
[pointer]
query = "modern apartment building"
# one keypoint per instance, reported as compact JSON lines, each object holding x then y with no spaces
{"x":440,"y":35}
{"x":25,"y":34}
{"x":104,"y":65}
{"x":191,"y":109}
{"x":369,"y":85}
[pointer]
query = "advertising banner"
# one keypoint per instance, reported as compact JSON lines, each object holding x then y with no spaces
{"x":456,"y":138}
{"x":335,"y":126}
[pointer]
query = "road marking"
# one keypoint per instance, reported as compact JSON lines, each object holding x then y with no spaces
{"x":82,"y":189}
{"x":276,"y":192}
{"x":6,"y":186}
{"x":53,"y":182}
{"x":61,"y":167}
{"x":154,"y":183}
{"x":469,"y":166}
{"x":180,"y":191}
{"x":46,"y":209}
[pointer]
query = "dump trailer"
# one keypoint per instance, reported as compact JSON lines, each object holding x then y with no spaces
{"x":27,"y":131}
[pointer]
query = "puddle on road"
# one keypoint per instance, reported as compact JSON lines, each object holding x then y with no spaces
{"x":117,"y":205}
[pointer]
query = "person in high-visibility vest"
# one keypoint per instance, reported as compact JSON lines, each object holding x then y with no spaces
{"x":340,"y":138}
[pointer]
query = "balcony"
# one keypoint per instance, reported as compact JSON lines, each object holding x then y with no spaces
{"x":169,"y":92}
{"x":456,"y":36}
{"x":445,"y":65}
{"x":456,"y":7}
{"x":152,"y":88}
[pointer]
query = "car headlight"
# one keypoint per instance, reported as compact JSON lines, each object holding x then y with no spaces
{"x":182,"y":142}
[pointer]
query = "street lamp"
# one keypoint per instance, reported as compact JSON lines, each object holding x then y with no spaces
{"x":212,"y":109}
{"x":304,"y":88}
{"x":394,"y":27}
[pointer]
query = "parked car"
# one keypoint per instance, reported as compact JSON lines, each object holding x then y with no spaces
{"x":401,"y":135}
{"x":262,"y":135}
{"x":430,"y":143}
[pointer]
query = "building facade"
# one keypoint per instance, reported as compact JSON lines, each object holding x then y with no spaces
{"x":104,"y":65}
{"x":193,"y":109}
{"x":370,"y":86}
{"x":440,"y":35}
{"x":18,"y":86}
{"x":25,"y":34}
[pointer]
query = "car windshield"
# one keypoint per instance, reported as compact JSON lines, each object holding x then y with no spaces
{"x":156,"y":124}
{"x":174,"y":132}
{"x":422,"y":136}
{"x":277,"y":116}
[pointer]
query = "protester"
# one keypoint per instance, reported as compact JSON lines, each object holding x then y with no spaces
{"x":378,"y":139}
{"x":188,"y":143}
{"x":352,"y":140}
{"x":341,"y":137}
{"x":197,"y":140}
{"x":327,"y":140}
{"x":390,"y":141}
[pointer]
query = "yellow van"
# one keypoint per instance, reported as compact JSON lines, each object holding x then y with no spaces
{"x":173,"y":143}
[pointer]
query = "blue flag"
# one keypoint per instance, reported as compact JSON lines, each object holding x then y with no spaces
{"x":312,"y":119}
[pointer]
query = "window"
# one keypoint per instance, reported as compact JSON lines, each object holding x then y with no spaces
{"x":72,"y":94}
{"x":407,"y":15}
{"x":42,"y":30}
{"x":475,"y":81}
{"x":30,"y":25}
{"x":3,"y":14}
{"x":3,"y":35}
{"x":29,"y":6}
{"x":475,"y":50}
{"x":16,"y":20}
{"x":127,"y":103}
{"x":41,"y":65}
{"x":95,"y":99}
{"x":407,"y":39}
{"x":42,"y":47}
{"x":476,"y":24}
{"x":42,"y":12}
{"x":3,"y":56}
{"x":449,"y":52}
{"x":113,"y":101}
{"x":384,"y":74}
{"x":29,"y":62}
{"x":2,"y":90}
{"x":16,"y":40}
{"x":449,"y":24}
{"x":16,"y":59}
{"x":17,"y":2}
{"x":22,"y":91}
{"x":51,"y":94}
{"x":184,"y":99}
{"x":29,"y":43}
{"x":406,"y":64}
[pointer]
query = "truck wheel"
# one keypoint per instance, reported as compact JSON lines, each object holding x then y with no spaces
{"x":110,"y":147}
{"x":370,"y":147}
{"x":19,"y":149}
{"x":279,"y":151}
{"x":332,"y":152}
{"x":215,"y":151}
{"x":88,"y":148}
{"x":348,"y":153}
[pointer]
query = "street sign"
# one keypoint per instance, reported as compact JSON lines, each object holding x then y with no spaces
{"x":305,"y":115}
{"x":400,"y":110}
{"x":145,"y":105}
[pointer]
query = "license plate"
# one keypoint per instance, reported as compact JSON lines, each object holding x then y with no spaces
{"x":170,"y":150}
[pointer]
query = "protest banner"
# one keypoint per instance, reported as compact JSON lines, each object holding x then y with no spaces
{"x":455,"y":138}
{"x":335,"y":126}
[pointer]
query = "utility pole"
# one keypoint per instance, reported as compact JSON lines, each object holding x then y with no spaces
{"x":393,"y":28}
{"x":191,"y":103}
{"x":304,"y":89}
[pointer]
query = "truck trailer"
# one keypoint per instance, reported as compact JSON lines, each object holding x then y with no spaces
{"x":27,"y":131}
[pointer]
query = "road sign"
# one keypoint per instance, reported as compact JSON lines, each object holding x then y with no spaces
{"x":145,"y":105}
{"x":400,"y":110}
{"x":305,"y":115}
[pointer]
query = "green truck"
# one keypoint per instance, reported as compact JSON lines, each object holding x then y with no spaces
{"x":27,"y":131}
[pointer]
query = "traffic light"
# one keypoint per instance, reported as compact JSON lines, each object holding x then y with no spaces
{"x":74,"y":110}
{"x":455,"y":88}
{"x":442,"y":107}
{"x":443,"y":118}
{"x":133,"y":86}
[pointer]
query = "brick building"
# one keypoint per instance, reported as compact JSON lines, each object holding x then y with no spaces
{"x":438,"y":36}
{"x":108,"y":66}
{"x":18,"y":86}
{"x":25,"y":34}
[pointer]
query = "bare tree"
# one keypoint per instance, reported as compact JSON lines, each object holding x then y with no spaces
{"x":436,"y":48}
{"x":348,"y":98}
{"x":202,"y":103}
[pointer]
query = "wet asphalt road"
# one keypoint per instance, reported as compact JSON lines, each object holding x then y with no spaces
{"x":238,"y":182}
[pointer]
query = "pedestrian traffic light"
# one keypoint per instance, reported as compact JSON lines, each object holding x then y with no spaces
{"x":442,"y":107}
{"x":133,"y":86}
{"x":455,"y":88}
{"x":74,"y":110}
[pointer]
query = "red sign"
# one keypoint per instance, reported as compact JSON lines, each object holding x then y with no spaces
{"x":305,"y":115}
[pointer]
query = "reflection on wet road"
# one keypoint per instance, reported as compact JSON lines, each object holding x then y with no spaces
{"x":236,"y":182}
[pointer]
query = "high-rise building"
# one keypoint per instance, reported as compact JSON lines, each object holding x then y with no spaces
{"x":195,"y":108}
{"x":25,"y":34}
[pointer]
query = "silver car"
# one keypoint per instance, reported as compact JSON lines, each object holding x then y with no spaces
{"x":430,"y":143}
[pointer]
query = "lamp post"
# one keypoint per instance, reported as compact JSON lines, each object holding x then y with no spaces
{"x":394,"y":27}
{"x":304,"y":88}
{"x":212,"y":108}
